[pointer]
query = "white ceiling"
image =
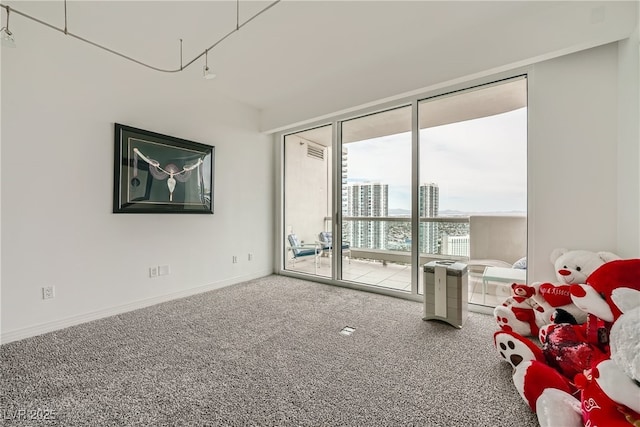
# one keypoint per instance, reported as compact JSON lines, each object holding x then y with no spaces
{"x":334,"y":54}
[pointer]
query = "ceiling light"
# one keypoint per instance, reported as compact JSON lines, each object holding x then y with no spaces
{"x":206,"y":71}
{"x":7,"y":38}
{"x":208,"y":74}
{"x":6,"y":35}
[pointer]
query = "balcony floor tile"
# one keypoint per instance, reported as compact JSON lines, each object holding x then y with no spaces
{"x":397,"y":276}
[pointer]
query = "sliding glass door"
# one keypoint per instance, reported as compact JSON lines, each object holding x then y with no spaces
{"x":376,"y":218}
{"x":473,"y":181}
{"x":369,"y":200}
{"x":308,"y":201}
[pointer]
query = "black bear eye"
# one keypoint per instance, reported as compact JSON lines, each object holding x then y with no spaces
{"x":578,"y":268}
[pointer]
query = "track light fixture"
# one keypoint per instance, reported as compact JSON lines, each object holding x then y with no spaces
{"x":206,"y":72}
{"x":6,"y":34}
{"x":7,"y":38}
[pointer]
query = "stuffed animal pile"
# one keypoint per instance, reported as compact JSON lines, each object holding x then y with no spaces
{"x":532,"y":306}
{"x":597,"y":360}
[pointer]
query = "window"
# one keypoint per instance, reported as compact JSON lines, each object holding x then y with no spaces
{"x":410,"y":181}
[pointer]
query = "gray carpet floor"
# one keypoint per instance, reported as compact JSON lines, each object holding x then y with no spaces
{"x":267,"y":352}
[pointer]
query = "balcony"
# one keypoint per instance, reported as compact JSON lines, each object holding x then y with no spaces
{"x":398,"y":276}
{"x":479,"y":241}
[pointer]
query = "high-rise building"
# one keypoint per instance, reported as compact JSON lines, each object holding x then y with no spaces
{"x":344,"y":175}
{"x":455,"y":245}
{"x":367,"y":200}
{"x":428,"y":201}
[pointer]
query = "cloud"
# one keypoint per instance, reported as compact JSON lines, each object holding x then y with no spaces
{"x":479,"y":165}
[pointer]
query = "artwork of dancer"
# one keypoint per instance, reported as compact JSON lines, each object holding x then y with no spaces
{"x":170,"y":171}
{"x":158,"y":173}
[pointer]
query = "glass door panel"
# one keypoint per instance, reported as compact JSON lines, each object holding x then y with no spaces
{"x":307,"y":201}
{"x":376,"y":199}
{"x":473,"y":181}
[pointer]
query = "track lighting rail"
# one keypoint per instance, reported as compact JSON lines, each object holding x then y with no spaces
{"x":65,"y":31}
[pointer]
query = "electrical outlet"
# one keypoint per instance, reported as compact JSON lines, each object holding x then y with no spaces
{"x":164,"y":270}
{"x":250,"y":257}
{"x":234,"y":259}
{"x":48,"y":292}
{"x":153,"y":271}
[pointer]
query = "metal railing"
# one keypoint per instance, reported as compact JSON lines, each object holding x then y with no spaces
{"x":389,"y":238}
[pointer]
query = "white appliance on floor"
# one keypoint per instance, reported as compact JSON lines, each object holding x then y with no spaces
{"x":446,"y":287}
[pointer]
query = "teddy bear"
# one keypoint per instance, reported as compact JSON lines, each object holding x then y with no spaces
{"x":612,"y":289}
{"x":570,"y":348}
{"x":525,"y":316}
{"x":576,"y":265}
{"x":609,"y":389}
{"x":524,"y":307}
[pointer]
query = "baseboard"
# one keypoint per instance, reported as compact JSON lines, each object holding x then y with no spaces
{"x":42,"y":328}
{"x":476,"y":308}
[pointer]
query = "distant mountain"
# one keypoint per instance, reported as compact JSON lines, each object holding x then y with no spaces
{"x":399,"y":212}
{"x":461,"y":213}
{"x":453,"y":212}
{"x":498,"y":213}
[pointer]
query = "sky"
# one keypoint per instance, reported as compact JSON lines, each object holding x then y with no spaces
{"x":479,"y":165}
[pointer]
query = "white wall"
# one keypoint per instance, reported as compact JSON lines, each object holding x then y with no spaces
{"x":629,"y":145}
{"x":60,"y":99}
{"x":501,"y":238}
{"x":573,"y":157}
{"x":306,"y":190}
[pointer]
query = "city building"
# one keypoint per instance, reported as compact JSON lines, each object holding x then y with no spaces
{"x":455,"y":245}
{"x":428,"y":199}
{"x":344,"y":175}
{"x":367,"y":200}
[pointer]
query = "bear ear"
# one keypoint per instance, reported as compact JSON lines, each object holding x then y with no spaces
{"x":557,"y":253}
{"x":608,"y":256}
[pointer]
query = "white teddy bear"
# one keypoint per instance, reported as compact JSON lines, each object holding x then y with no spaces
{"x":571,"y":267}
{"x":611,"y":390}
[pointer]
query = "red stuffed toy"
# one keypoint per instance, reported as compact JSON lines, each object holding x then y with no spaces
{"x":607,"y":396}
{"x":595,"y":296}
{"x":567,"y":348}
{"x":610,"y":390}
{"x":532,"y":306}
{"x":516,"y":350}
{"x":523,"y":307}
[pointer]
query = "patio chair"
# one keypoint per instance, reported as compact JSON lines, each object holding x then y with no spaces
{"x":299,"y":250}
{"x":325,"y":239}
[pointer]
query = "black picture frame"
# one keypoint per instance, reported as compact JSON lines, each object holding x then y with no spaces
{"x":155,"y":173}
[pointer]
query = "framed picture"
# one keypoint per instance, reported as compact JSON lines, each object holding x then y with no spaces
{"x":157,"y":173}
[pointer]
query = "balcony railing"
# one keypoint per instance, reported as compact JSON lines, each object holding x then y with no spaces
{"x":497,"y":240}
{"x":390,"y":238}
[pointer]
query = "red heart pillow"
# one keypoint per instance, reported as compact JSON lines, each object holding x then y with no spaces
{"x":556,"y":295}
